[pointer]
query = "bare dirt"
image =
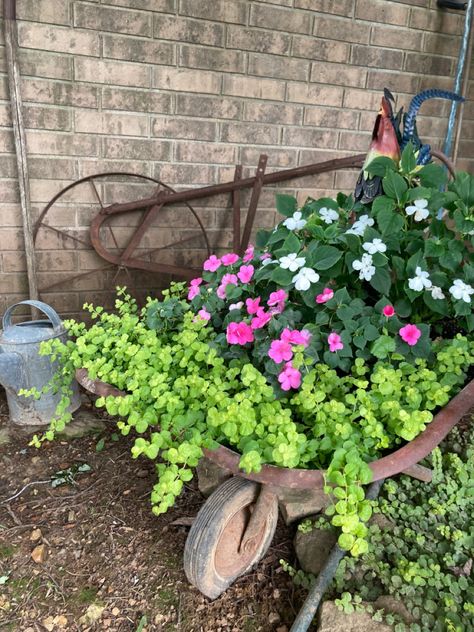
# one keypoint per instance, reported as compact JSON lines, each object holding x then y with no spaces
{"x":91,"y":556}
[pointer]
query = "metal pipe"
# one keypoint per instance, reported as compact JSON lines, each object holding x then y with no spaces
{"x":325,"y":577}
{"x":459,"y":75}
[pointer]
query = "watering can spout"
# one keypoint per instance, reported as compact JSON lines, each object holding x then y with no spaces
{"x":12,"y":371}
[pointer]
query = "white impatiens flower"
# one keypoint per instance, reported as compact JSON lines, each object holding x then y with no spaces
{"x":304,"y":278}
{"x":365,"y":267}
{"x":359,"y":226}
{"x":461,"y":291}
{"x":328,"y":215}
{"x":236,"y":305}
{"x":419,"y":209}
{"x":376,"y":245}
{"x":265,"y":262}
{"x":295,"y":222}
{"x":292,"y":262}
{"x":436,"y":292}
{"x":420,"y":281}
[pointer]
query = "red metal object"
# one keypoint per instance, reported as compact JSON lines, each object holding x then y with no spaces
{"x":399,"y":461}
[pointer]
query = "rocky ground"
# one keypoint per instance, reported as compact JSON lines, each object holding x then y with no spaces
{"x":90,"y":555}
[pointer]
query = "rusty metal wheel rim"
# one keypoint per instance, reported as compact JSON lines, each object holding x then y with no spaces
{"x":229,"y":559}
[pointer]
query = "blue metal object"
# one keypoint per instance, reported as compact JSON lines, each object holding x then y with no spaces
{"x":21,"y":366}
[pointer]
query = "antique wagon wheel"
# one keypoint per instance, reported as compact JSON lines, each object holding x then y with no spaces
{"x":140,"y":249}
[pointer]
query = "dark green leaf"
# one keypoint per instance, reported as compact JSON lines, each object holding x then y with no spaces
{"x":325,"y":257}
{"x":286,"y":204}
{"x":381,"y":281}
{"x":389,"y":221}
{"x":380,"y":166}
{"x":394,"y":185}
{"x":408,"y":160}
{"x":383,"y":346}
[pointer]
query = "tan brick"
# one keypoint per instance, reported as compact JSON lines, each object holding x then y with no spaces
{"x":273,"y":113}
{"x":233,"y":11}
{"x":446,"y":22}
{"x":188,"y":30}
{"x":163,"y":127}
{"x":284,"y":157}
{"x":184,"y":80}
{"x":37,"y":63}
{"x":342,"y":29}
{"x":57,"y":93}
{"x":45,"y":168}
{"x":212,"y":59}
{"x":315,"y":94}
{"x":270,"y":89}
{"x":382,"y":11}
{"x":13,"y":262}
{"x":249,"y":133}
{"x":440,"y":44}
{"x":354,"y":141}
{"x":342,"y":7}
{"x":6,"y":141}
{"x":11,"y":215}
{"x":136,"y":149}
{"x":40,"y":142}
{"x":332,"y":118}
{"x":110,"y":123}
{"x":58,"y":39}
{"x":13,"y":283}
{"x":42,"y":192}
{"x":279,"y":67}
{"x":57,"y":260}
{"x":377,"y":57}
{"x":395,"y":81}
{"x":314,"y":156}
{"x":209,"y":153}
{"x":51,"y":12}
{"x":289,"y":20}
{"x":8,"y":167}
{"x":399,"y":38}
{"x":258,"y":40}
{"x":306,"y":137}
{"x":324,"y":50}
{"x":111,"y":72}
{"x":362,"y":100}
{"x":91,"y":167}
{"x":5,"y":115}
{"x":11,"y":239}
{"x":158,"y":6}
{"x":114,"y":98}
{"x":282,"y":3}
{"x":40,"y":117}
{"x":338,"y":74}
{"x":208,"y":107}
{"x":428,"y":64}
{"x":184,"y":174}
{"x":102,"y":18}
{"x":346,"y":180}
{"x":138,"y":50}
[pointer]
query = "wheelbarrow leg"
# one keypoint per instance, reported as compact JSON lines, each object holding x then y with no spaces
{"x":265,"y":501}
{"x":236,"y":211}
{"x":257,"y":188}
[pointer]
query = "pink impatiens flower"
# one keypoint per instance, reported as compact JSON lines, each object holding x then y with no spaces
{"x":239,"y":333}
{"x":388,"y":311}
{"x":245,"y":273}
{"x":229,"y":258}
{"x":261,"y":319}
{"x":289,"y":377}
{"x":248,"y":255}
{"x":335,"y":342}
{"x":410,"y":334}
{"x":266,"y":255}
{"x":326,"y":295}
{"x":277,"y":301}
{"x":280,"y":351}
{"x":227,"y":279}
{"x":295,"y":337}
{"x":204,"y":314}
{"x":212,"y":263}
{"x":194,"y":288}
{"x":253,"y":305}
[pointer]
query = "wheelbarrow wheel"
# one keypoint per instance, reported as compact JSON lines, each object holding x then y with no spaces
{"x":212,"y":556}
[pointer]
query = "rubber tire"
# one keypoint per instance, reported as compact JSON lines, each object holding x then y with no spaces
{"x":203,"y":539}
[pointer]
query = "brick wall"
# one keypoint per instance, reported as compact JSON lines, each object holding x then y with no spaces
{"x":183,"y":90}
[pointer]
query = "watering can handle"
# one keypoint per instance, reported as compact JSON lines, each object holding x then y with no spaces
{"x":46,"y":309}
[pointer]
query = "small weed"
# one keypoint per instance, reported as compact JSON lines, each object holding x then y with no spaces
{"x":6,"y":551}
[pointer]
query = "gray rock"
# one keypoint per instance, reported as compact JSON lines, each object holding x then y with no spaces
{"x":5,"y":436}
{"x":331,"y":619}
{"x":313,"y":548}
{"x":393,"y":605}
{"x":83,"y":424}
{"x":296,"y":504}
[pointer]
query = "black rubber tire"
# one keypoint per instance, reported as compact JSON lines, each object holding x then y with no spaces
{"x":229,"y":502}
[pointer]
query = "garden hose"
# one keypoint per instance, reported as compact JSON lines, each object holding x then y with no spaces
{"x":325,"y":577}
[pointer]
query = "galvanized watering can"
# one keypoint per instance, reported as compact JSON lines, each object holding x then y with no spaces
{"x":21,"y":366}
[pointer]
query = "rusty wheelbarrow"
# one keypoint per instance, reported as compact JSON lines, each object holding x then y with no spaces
{"x":235,"y":526}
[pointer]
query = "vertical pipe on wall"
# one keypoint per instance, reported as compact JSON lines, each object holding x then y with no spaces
{"x":11,"y":49}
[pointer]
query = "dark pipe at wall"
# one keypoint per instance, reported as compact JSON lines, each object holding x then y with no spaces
{"x":9,"y":9}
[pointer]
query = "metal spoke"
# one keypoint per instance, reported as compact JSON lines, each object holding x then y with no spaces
{"x":61,"y":232}
{"x":77,"y":276}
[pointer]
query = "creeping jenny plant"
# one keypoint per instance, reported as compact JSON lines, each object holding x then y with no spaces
{"x":331,"y":341}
